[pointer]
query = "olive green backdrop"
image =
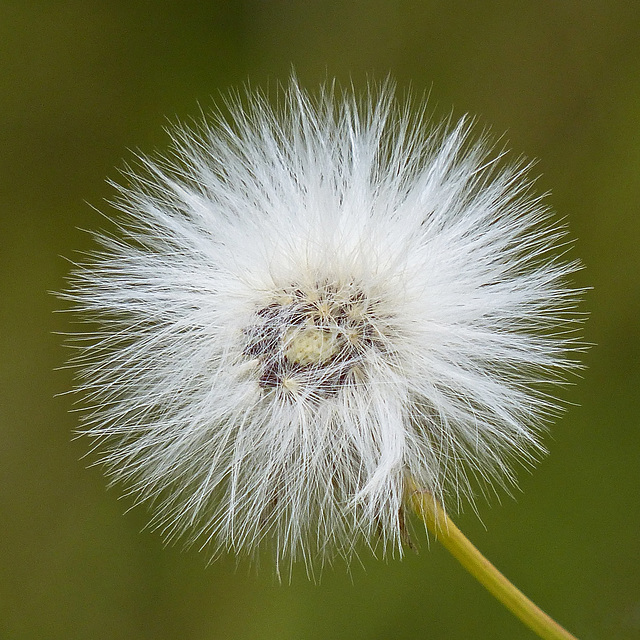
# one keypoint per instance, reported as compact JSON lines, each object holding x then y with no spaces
{"x":82,"y":82}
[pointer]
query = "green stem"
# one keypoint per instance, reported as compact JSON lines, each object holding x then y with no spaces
{"x":441,"y":526}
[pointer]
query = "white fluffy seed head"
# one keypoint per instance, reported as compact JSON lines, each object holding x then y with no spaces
{"x":309,"y":304}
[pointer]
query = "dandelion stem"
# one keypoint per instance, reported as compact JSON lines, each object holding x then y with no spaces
{"x":441,"y":526}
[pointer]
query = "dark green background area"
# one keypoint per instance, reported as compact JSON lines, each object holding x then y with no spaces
{"x":82,"y":82}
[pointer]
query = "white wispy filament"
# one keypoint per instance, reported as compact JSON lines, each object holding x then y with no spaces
{"x":306,"y":305}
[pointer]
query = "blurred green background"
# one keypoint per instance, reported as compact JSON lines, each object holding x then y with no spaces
{"x":82,"y":82}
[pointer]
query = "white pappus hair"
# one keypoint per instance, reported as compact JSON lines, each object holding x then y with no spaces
{"x":307,"y":304}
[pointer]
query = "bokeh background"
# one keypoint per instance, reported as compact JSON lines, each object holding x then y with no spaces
{"x":82,"y":82}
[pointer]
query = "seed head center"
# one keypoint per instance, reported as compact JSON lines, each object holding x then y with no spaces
{"x":310,"y":344}
{"x":313,"y":339}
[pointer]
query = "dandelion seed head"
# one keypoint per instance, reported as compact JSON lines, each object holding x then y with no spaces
{"x":307,"y":304}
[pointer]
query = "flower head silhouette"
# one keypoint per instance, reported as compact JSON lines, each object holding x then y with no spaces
{"x":307,"y":304}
